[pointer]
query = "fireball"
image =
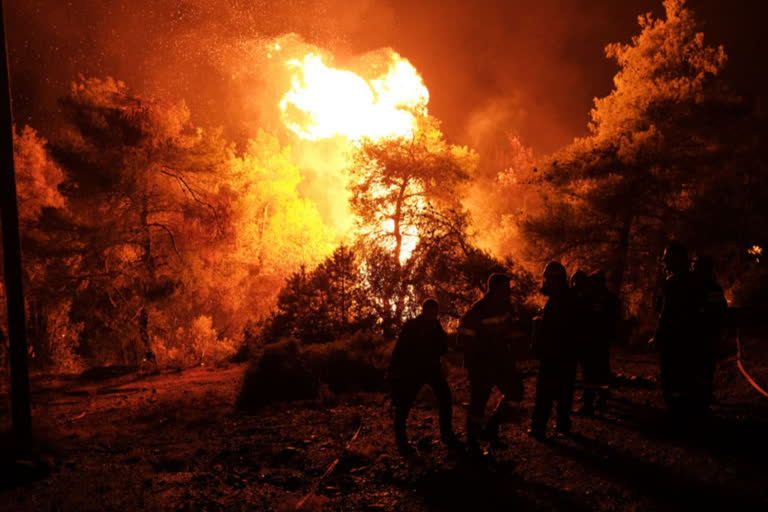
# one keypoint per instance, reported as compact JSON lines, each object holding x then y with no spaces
{"x":324,"y":101}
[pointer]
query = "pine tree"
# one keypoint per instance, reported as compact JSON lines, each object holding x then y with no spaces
{"x":661,"y":143}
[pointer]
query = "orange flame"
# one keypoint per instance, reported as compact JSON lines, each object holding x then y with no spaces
{"x":324,"y":101}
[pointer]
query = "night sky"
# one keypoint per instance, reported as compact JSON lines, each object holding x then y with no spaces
{"x":533,"y":65}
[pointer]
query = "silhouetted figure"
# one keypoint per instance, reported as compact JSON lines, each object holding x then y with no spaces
{"x":712,"y":311}
{"x":581,"y":313}
{"x":554,"y":345}
{"x":415,"y":362}
{"x":677,"y":338}
{"x":578,"y":281}
{"x":486,"y":333}
{"x":601,"y":312}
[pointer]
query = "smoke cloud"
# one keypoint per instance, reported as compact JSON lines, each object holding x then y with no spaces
{"x":547,"y":55}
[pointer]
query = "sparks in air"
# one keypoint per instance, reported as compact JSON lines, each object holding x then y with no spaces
{"x":324,"y":101}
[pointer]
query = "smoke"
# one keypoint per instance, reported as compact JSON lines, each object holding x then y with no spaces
{"x":548,"y":54}
{"x":528,"y":68}
{"x":323,"y":163}
{"x":201,"y":50}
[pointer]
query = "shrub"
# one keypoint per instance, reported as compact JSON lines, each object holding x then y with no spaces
{"x":206,"y":344}
{"x":287,"y":370}
{"x":194,"y":345}
{"x":276,"y":374}
{"x":354,"y":363}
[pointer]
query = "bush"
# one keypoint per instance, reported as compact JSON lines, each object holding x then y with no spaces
{"x":277,"y":374}
{"x":194,"y":345}
{"x":207,"y":345}
{"x":354,"y":363}
{"x":287,"y":370}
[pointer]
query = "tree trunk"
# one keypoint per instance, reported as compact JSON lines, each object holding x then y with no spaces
{"x":397,"y":220}
{"x":262,"y":230}
{"x":37,"y":332}
{"x":14,"y":291}
{"x":343,"y":276}
{"x":146,"y":261}
{"x":623,"y":251}
{"x":400,"y":303}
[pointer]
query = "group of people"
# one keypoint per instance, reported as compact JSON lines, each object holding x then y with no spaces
{"x":576,"y":328}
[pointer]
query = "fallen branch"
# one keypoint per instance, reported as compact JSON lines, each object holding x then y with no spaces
{"x":330,"y":469}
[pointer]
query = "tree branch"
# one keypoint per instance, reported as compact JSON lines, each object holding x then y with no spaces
{"x":170,"y":235}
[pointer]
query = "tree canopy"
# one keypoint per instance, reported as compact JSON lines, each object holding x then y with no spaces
{"x":656,"y":155}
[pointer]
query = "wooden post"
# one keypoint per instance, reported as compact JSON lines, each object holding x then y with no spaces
{"x":17,"y":335}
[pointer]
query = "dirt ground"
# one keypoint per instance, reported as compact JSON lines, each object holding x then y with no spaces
{"x":176,"y":442}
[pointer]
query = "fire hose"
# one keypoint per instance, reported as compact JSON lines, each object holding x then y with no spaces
{"x":743,"y":370}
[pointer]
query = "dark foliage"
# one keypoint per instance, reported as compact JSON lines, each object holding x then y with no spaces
{"x":287,"y":370}
{"x":277,"y":374}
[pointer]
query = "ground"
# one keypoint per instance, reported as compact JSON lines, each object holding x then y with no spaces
{"x":177,"y":442}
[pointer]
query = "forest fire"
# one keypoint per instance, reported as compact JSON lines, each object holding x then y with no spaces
{"x":248,"y":235}
{"x":326,"y":102}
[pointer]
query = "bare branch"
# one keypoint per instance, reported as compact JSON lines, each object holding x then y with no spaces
{"x":170,"y":235}
{"x":185,"y":186}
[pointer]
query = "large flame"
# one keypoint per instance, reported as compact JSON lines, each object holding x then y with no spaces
{"x":324,"y":101}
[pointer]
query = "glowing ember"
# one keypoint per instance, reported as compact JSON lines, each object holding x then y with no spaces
{"x":324,"y":101}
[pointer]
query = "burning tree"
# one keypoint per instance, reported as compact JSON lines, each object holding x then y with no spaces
{"x":53,"y":343}
{"x":155,"y":236}
{"x":138,"y":189}
{"x":406,"y":195}
{"x":325,"y":303}
{"x":405,"y":188}
{"x":145,"y":234}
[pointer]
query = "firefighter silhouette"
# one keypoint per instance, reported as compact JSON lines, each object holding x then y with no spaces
{"x":491,"y":337}
{"x":684,"y":357}
{"x":712,"y":311}
{"x":415,"y":362}
{"x":600,"y":313}
{"x":555,"y":342}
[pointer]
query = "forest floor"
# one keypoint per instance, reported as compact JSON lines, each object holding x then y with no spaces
{"x":176,"y":442}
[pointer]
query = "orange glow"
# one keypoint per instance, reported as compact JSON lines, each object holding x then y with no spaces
{"x":410,"y":238}
{"x":325,"y":101}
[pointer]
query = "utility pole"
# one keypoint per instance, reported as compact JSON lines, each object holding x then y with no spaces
{"x":17,"y":334}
